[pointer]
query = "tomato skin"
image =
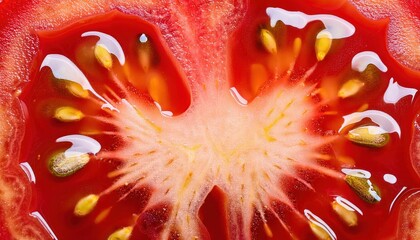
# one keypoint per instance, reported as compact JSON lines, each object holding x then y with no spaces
{"x":18,"y":46}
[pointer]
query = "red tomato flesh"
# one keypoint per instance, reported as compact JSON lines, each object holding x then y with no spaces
{"x":245,"y":142}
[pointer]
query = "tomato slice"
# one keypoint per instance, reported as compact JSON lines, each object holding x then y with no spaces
{"x":207,"y":120}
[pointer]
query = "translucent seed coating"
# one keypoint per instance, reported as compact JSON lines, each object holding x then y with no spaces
{"x":319,"y":232}
{"x":364,"y":188}
{"x":258,"y":77}
{"x":268,"y":41}
{"x":370,"y":136}
{"x":121,"y":234}
{"x":297,"y":46}
{"x":350,"y":88}
{"x":158,"y":89}
{"x":347,"y":216}
{"x":268,"y":231}
{"x":323,"y":44}
{"x":68,"y":114}
{"x":103,"y":56}
{"x":62,"y":166}
{"x":85,"y":205}
{"x":145,"y":53}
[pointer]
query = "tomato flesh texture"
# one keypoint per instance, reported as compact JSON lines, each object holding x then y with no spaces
{"x":323,"y":186}
{"x":47,"y":94}
{"x":335,"y":69}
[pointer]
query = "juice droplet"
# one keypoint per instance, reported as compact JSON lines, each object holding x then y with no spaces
{"x":337,"y":27}
{"x":80,"y":145}
{"x":26,"y":167}
{"x":384,"y":120}
{"x":395,"y":92}
{"x":389,"y":178}
{"x":361,"y":61}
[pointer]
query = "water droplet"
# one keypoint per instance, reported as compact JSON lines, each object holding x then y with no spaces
{"x":143,"y":38}
{"x":237,"y":96}
{"x":28,"y":171}
{"x":80,"y":145}
{"x":384,"y":120}
{"x":361,"y":60}
{"x":338,"y":27}
{"x":395,"y":92}
{"x":389,"y":178}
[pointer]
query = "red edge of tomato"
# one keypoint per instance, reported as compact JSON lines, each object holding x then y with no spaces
{"x":18,"y":45}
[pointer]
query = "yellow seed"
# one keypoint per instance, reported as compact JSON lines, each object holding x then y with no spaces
{"x":258,"y":77}
{"x":145,"y":53}
{"x":319,"y":232}
{"x":62,"y":166}
{"x":102,"y":215}
{"x":158,"y":89}
{"x":144,"y":59}
{"x":85,"y":205}
{"x":297,"y":46}
{"x":103,"y":56}
{"x":347,"y":216}
{"x":362,"y":108}
{"x":370,"y":136}
{"x":268,"y":231}
{"x":268,"y":41}
{"x":350,"y":88}
{"x":77,"y":90}
{"x":364,"y":188}
{"x":121,"y":234}
{"x":68,"y":114}
{"x":323,"y":44}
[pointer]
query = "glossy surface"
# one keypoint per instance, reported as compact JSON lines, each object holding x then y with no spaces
{"x":393,"y":113}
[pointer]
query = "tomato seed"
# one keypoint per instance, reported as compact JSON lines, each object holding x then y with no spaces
{"x":68,"y":114}
{"x":364,"y":188}
{"x":86,"y":205}
{"x":323,"y":44}
{"x":371,"y":136}
{"x":62,"y":166}
{"x":347,"y":216}
{"x":103,"y":56}
{"x":268,"y":41}
{"x":121,"y":234}
{"x":350,"y":88}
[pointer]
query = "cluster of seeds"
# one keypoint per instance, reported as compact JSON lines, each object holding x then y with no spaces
{"x":248,"y":147}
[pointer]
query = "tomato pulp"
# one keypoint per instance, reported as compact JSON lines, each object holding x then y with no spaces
{"x":260,"y":120}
